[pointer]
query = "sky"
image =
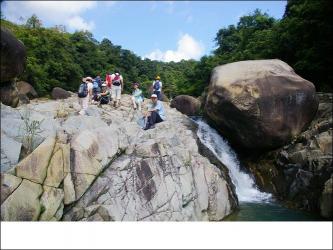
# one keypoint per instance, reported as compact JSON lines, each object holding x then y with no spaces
{"x":159,"y":30}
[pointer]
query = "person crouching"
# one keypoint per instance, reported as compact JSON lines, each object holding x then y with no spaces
{"x":104,"y":96}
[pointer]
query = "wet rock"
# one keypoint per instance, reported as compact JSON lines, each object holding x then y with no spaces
{"x":326,"y":203}
{"x":300,"y":171}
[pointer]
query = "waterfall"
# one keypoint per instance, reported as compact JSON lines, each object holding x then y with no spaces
{"x":246,"y":189}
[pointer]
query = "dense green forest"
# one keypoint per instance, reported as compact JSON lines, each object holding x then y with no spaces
{"x":302,"y":38}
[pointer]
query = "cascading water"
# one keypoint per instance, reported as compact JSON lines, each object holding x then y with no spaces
{"x":246,"y":189}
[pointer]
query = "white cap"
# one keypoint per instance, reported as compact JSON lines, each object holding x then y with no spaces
{"x":153,"y":95}
{"x":103,"y":85}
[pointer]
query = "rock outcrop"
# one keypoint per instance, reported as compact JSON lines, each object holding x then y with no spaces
{"x":103,"y":166}
{"x":59,"y":93}
{"x":26,"y":89}
{"x":13,"y":55}
{"x":186,"y":104}
{"x":300,"y":173}
{"x":260,"y":104}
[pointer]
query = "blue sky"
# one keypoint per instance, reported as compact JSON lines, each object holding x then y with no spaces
{"x":161,"y":30}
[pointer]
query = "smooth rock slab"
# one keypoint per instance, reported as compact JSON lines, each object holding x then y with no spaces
{"x":23,"y":204}
{"x":8,"y":185}
{"x":34,"y":166}
{"x":51,"y":200}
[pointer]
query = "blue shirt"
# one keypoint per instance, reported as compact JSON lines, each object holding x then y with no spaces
{"x":159,"y":107}
{"x":138,"y":95}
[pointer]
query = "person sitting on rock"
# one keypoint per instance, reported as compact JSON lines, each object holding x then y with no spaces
{"x":104,"y":96}
{"x":155,"y":113}
{"x":137,"y":97}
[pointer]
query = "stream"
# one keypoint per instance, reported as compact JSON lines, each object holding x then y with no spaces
{"x":254,"y":205}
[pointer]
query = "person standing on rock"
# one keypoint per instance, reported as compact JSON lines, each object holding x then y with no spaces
{"x":155,"y":113}
{"x":157,"y":88}
{"x":116,"y":88}
{"x":108,"y":80}
{"x":90,"y":85}
{"x":137,"y":97}
{"x":83,"y":96}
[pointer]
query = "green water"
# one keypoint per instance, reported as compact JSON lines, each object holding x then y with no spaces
{"x":269,"y":212}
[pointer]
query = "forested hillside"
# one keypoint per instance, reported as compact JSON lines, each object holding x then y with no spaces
{"x":302,"y":38}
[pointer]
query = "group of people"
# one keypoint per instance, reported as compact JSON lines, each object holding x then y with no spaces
{"x":96,"y":91}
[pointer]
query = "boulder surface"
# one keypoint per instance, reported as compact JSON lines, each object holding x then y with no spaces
{"x":260,"y":104}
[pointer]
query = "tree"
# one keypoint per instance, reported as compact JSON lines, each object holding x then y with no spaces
{"x":33,"y":22}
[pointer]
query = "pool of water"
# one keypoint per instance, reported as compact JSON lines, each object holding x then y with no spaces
{"x":269,"y":212}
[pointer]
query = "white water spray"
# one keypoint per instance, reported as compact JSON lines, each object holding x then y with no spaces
{"x":246,"y":189}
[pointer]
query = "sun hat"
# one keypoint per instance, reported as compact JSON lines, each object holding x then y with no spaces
{"x":157,"y":78}
{"x":88,"y":78}
{"x":153,"y":96}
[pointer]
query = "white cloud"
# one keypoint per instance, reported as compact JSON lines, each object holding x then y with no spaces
{"x":77,"y":23}
{"x":56,"y":12}
{"x":188,"y":48}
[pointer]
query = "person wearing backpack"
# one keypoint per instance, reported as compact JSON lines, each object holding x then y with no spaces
{"x":137,"y":97}
{"x":83,"y":96}
{"x":116,"y":88}
{"x":96,"y":89}
{"x":157,"y":87}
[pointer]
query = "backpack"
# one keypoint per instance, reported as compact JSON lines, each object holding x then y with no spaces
{"x":157,"y":85}
{"x":83,"y":90}
{"x":95,"y":85}
{"x":116,"y":81}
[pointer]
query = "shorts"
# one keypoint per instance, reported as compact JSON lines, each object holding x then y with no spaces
{"x":116,"y":92}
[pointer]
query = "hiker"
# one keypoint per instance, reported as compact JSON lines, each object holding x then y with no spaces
{"x":137,"y":97}
{"x":97,"y":84}
{"x":108,"y":80}
{"x":155,"y":112}
{"x":83,"y":96}
{"x":116,"y":88}
{"x":104,"y":96}
{"x":90,"y":85}
{"x":157,"y":88}
{"x":99,"y":81}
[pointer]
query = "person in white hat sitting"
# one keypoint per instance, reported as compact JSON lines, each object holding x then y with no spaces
{"x":104,"y":96}
{"x":155,"y":112}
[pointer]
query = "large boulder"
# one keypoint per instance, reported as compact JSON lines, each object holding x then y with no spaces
{"x":13,"y":54}
{"x":25,"y":88}
{"x":9,"y":94}
{"x":260,"y":103}
{"x":59,"y":93}
{"x":186,"y":104}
